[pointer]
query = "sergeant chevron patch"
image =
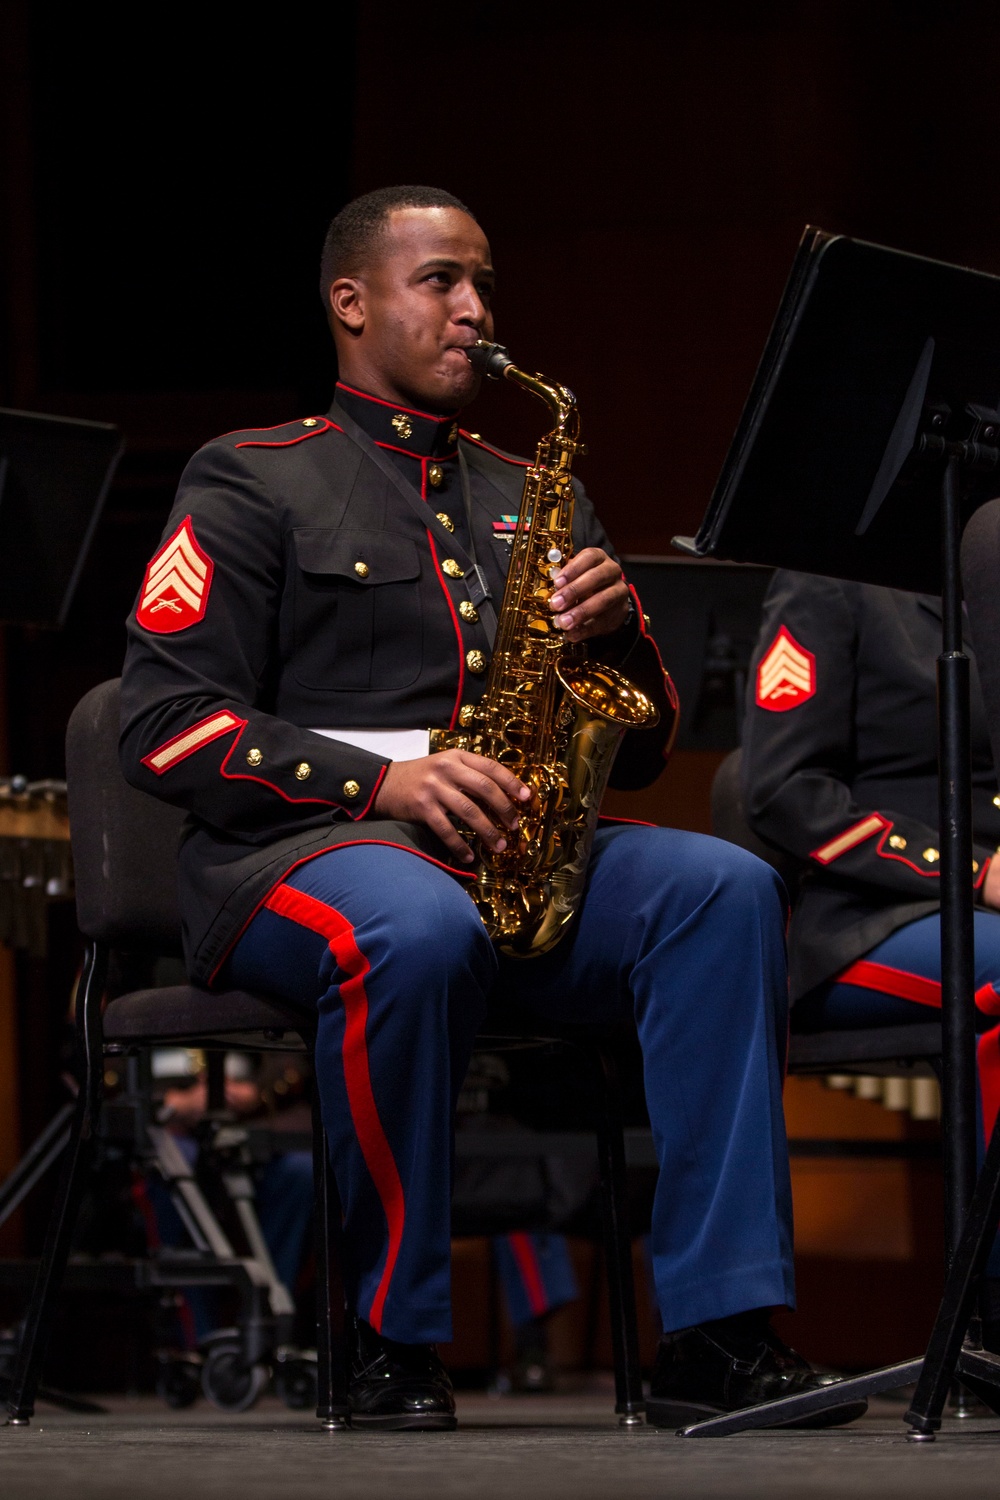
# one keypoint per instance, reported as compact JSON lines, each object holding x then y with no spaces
{"x":786,"y":676}
{"x":175,"y":589}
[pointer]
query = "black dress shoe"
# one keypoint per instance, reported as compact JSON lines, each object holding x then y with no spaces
{"x":705,"y":1371}
{"x":398,"y":1386}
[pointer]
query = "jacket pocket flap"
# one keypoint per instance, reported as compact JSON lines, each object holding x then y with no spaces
{"x":366,"y":557}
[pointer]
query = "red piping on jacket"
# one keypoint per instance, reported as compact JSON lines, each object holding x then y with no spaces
{"x":673,"y":696}
{"x":523,"y":1249}
{"x":330,"y":849}
{"x":303,"y":437}
{"x":296,"y":801}
{"x":394,"y":405}
{"x":458,"y":633}
{"x":331,"y":924}
{"x":523,"y":463}
{"x":885,"y":853}
{"x":421,"y":458}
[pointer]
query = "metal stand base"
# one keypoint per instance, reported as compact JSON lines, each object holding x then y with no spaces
{"x":631,"y":1420}
{"x":811,"y":1403}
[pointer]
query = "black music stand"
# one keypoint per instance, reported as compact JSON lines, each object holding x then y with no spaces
{"x":871,"y":434}
{"x":55,"y":473}
{"x":710,"y":613}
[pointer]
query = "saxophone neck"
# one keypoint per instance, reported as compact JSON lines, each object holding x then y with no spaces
{"x":494,"y":361}
{"x":558,"y":398}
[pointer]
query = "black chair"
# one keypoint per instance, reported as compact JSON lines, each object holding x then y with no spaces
{"x":127,"y":903}
{"x":124,"y":845}
{"x":890,"y":1051}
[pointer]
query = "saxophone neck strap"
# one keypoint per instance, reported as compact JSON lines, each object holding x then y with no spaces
{"x":479,"y":589}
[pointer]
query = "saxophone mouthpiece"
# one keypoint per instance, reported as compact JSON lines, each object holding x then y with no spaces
{"x":489,"y":359}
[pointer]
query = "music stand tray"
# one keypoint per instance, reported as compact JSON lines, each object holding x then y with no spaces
{"x":870,"y":435}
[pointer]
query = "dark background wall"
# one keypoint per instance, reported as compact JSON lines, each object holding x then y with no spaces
{"x":644,"y":175}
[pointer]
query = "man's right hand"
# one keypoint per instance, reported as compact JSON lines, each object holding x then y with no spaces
{"x":454,"y":784}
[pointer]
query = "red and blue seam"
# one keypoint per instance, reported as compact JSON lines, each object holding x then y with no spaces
{"x":332,"y":925}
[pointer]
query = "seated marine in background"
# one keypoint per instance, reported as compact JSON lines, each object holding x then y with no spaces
{"x":839,"y":770}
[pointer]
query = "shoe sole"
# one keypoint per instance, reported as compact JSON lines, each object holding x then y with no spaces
{"x":429,"y":1422}
{"x":678,"y":1414}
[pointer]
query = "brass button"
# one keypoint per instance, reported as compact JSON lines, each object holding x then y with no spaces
{"x":453,"y":433}
{"x":452,"y":568}
{"x":403,"y":425}
{"x":468,"y":611}
{"x":310,"y":422}
{"x":996,"y":801}
{"x":446,"y":521}
{"x":475,"y":661}
{"x":351,"y":789}
{"x":303,"y":771}
{"x":254,"y":757}
{"x":897,"y":841}
{"x":361,"y":569}
{"x":435,"y":476}
{"x":975,"y":867}
{"x":466,"y":714}
{"x":932,"y":856}
{"x":474,"y":436}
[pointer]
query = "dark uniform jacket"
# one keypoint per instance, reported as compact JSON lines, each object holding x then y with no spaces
{"x":839,"y":763}
{"x":312,"y":578}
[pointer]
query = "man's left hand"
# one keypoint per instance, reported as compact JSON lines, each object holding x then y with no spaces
{"x":591,"y":597}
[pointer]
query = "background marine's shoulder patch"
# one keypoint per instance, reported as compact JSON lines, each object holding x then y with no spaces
{"x":786,"y":676}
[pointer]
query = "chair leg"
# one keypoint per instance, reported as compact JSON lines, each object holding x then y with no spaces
{"x":629,"y":1402}
{"x":331,"y":1359}
{"x":41,"y":1309}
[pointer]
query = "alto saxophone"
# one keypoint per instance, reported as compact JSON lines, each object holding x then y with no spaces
{"x":548,"y":714}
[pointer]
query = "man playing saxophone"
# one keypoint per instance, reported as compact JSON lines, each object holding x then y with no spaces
{"x":324,"y":596}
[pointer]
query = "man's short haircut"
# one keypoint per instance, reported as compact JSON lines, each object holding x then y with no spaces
{"x":355,"y":232}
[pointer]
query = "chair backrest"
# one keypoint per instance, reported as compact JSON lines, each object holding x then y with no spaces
{"x":124,"y":842}
{"x":729,"y":822}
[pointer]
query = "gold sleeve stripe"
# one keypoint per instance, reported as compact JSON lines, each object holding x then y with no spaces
{"x":176,"y":749}
{"x":849,"y":839}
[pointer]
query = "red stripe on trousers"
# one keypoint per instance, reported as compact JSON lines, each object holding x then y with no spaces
{"x":889,"y":981}
{"x":906,"y":986}
{"x":375,"y":1148}
{"x":988,"y":1063}
{"x":526,"y":1257}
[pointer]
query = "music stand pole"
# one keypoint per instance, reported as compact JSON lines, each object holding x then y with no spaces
{"x":958,"y":1114}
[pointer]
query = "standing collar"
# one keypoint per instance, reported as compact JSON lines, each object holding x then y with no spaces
{"x":420,"y":433}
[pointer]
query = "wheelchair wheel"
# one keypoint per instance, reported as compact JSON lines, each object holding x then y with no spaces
{"x":178,"y":1380}
{"x":228,"y":1381}
{"x":295,"y":1382}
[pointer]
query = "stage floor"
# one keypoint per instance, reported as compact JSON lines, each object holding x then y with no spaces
{"x":517,"y":1448}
